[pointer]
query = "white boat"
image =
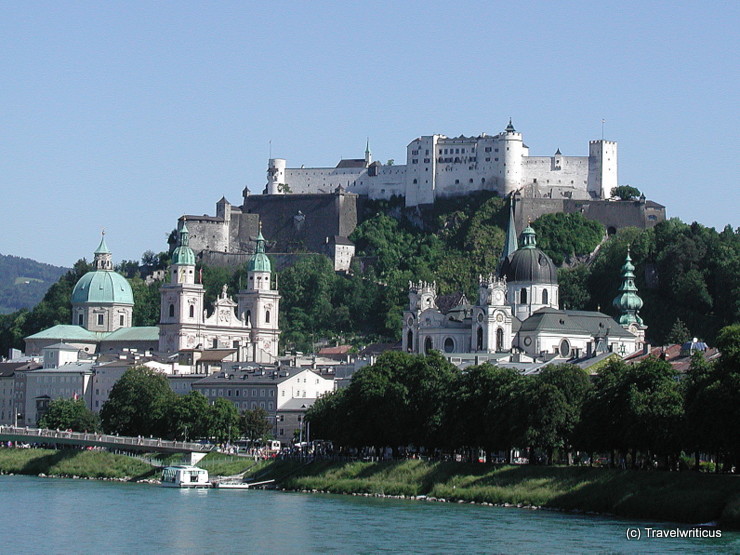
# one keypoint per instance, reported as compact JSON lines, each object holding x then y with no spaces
{"x":185,"y":476}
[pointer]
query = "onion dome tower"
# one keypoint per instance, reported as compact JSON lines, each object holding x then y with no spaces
{"x":531,"y":276}
{"x":102,"y":300}
{"x":627,"y":302}
{"x":181,"y":308}
{"x":259,"y":305}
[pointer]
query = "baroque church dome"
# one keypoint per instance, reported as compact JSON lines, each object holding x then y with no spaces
{"x":102,"y":285}
{"x":529,"y":264}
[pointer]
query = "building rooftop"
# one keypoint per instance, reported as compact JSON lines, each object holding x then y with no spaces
{"x":68,"y":332}
{"x":137,"y":333}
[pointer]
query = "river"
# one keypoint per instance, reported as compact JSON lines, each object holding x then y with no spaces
{"x":43,"y":515}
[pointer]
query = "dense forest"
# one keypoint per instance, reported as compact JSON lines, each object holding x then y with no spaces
{"x":688,"y":275}
{"x":23,"y":282}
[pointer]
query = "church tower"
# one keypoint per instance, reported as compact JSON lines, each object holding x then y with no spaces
{"x":492,"y":318}
{"x":181,"y":312}
{"x":259,"y":305}
{"x":628,"y":303}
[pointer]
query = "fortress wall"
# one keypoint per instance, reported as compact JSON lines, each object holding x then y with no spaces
{"x":207,"y":233}
{"x":616,"y":215}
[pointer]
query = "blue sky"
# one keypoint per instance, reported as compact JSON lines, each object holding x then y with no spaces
{"x":125,"y":115}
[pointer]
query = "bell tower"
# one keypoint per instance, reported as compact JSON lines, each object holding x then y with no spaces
{"x":492,"y":319}
{"x":259,"y":305}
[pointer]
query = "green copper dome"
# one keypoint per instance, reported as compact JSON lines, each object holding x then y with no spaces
{"x":259,"y":261}
{"x":183,"y":254}
{"x":102,"y":287}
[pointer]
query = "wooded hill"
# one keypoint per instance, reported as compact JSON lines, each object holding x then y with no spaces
{"x":23,"y":282}
{"x":688,"y":275}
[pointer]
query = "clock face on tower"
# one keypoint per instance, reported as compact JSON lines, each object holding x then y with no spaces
{"x":498,"y":297}
{"x":499,"y":317}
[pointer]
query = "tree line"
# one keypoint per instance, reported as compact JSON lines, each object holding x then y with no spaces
{"x":142,"y":403}
{"x":634,"y":415}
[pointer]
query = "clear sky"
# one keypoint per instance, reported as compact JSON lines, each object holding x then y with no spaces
{"x":126,"y":115}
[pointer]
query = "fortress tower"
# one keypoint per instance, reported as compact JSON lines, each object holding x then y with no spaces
{"x":511,"y":172}
{"x":276,"y":176}
{"x":602,"y":168}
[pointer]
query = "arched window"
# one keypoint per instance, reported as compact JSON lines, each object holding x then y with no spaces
{"x":410,"y":342}
{"x":544,"y":296}
{"x":79,"y":319}
{"x":172,"y":311}
{"x":267,"y":316}
{"x":479,"y":339}
{"x":523,"y":296}
{"x":499,"y":339}
{"x":428,"y":345}
{"x":249,"y":316}
{"x":192,"y":311}
{"x":449,"y":345}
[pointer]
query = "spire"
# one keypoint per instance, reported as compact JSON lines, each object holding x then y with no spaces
{"x":102,"y":256}
{"x":259,"y":261}
{"x":628,"y":302}
{"x":102,"y":247}
{"x":511,"y":245}
{"x":368,"y":154}
{"x":183,"y":255}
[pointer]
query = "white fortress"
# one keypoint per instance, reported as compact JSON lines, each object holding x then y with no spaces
{"x":439,"y":166}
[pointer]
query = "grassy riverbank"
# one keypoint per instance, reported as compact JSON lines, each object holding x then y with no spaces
{"x":682,"y":497}
{"x":73,"y":463}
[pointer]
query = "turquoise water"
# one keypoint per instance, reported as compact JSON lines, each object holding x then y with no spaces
{"x":79,"y":516}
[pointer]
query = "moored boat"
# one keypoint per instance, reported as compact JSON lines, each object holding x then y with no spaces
{"x":185,"y":476}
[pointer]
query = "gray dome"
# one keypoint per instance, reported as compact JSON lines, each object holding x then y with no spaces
{"x":529,"y":263}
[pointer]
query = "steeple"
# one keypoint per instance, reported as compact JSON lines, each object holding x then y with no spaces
{"x":628,"y":302}
{"x":368,"y":154}
{"x":259,"y":261}
{"x":183,"y":255}
{"x":511,"y":245}
{"x":103,"y":258}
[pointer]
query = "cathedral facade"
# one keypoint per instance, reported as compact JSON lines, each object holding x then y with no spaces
{"x":249,"y":324}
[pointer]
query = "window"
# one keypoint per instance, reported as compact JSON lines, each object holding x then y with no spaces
{"x":100,"y":319}
{"x":523,"y":296}
{"x":428,"y":345}
{"x":499,"y":339}
{"x":192,"y":311}
{"x":564,"y":348}
{"x":122,"y":320}
{"x":267,"y":316}
{"x":79,"y":319}
{"x":544,"y":296}
{"x":449,"y":345}
{"x":172,"y":310}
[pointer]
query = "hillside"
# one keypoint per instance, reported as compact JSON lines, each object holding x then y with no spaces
{"x":23,"y":282}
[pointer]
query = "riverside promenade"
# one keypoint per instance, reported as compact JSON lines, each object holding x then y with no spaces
{"x":194,"y":451}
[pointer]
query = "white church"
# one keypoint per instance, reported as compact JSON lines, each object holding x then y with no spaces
{"x":440,"y":166}
{"x":518,"y":312}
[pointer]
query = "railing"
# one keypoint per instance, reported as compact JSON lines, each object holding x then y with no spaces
{"x":156,"y":444}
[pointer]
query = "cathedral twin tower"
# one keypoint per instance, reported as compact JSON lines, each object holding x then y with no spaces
{"x":249,"y":325}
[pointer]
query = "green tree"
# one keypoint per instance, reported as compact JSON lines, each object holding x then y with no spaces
{"x":256,"y":425}
{"x":69,"y":414}
{"x":625,"y":192}
{"x":186,"y":416}
{"x":679,"y":333}
{"x":138,"y":404}
{"x":564,"y":236}
{"x":222,"y":421}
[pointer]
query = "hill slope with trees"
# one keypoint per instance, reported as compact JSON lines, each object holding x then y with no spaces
{"x":23,"y":282}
